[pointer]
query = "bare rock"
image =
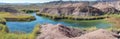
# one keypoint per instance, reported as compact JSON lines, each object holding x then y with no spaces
{"x":77,"y":9}
{"x":87,"y":11}
{"x":106,"y":7}
{"x":99,"y":34}
{"x":51,"y":31}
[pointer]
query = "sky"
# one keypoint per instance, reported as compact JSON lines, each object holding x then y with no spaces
{"x":32,"y":1}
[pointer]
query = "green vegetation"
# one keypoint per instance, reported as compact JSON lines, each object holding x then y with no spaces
{"x":115,"y":19}
{"x":55,"y":16}
{"x":2,"y":20}
{"x":16,"y":17}
{"x":35,"y":32}
{"x":90,"y":29}
{"x":3,"y":28}
{"x":30,"y":11}
{"x":94,"y":28}
{"x":4,"y":32}
{"x":32,"y":35}
{"x":8,"y":15}
{"x":78,"y":21}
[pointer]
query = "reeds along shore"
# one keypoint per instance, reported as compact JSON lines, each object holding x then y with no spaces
{"x":73,"y":17}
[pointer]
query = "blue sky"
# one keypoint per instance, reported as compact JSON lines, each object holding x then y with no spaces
{"x":30,"y":1}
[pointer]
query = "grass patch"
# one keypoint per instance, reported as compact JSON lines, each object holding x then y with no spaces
{"x":8,"y":15}
{"x":2,"y":20}
{"x":77,"y":21}
{"x":113,"y":28}
{"x":115,"y":19}
{"x":19,"y":17}
{"x":3,"y":28}
{"x":90,"y":29}
{"x":57,"y":16}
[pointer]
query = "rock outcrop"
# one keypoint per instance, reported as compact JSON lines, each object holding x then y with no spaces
{"x":50,"y":31}
{"x":116,"y":5}
{"x":84,"y":9}
{"x":99,"y":34}
{"x":77,"y":9}
{"x":106,"y":7}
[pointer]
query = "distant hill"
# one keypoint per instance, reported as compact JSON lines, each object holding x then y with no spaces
{"x":14,"y":3}
{"x":57,"y":2}
{"x":54,"y":3}
{"x":67,"y":2}
{"x":108,"y":0}
{"x":8,"y":9}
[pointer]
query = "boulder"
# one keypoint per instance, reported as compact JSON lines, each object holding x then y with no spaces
{"x":50,"y":31}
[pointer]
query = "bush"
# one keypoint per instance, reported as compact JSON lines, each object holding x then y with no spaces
{"x":35,"y":32}
{"x":3,"y":28}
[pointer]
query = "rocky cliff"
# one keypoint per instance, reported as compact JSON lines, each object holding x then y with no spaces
{"x":84,"y":8}
{"x":77,"y":9}
{"x":106,"y":7}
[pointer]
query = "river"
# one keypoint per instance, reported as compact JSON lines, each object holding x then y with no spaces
{"x":28,"y":26}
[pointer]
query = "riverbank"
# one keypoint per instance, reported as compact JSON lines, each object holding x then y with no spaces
{"x":16,"y":17}
{"x":4,"y":28}
{"x":73,"y":17}
{"x":2,"y":21}
{"x":115,"y":19}
{"x":38,"y":31}
{"x":29,"y":11}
